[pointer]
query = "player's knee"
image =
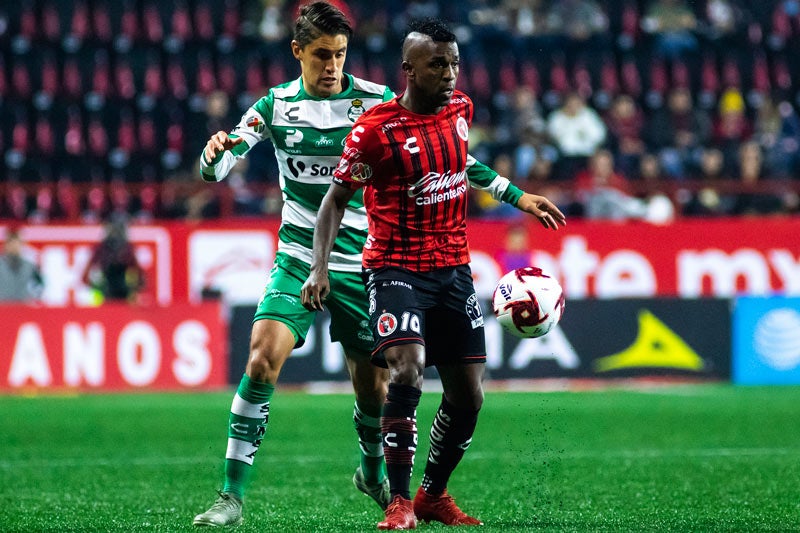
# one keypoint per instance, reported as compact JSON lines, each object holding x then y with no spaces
{"x":264,"y":363}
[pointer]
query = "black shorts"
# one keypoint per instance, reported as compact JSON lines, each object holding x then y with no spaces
{"x":438,"y":309}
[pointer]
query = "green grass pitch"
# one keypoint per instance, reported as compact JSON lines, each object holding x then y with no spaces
{"x":679,"y":458}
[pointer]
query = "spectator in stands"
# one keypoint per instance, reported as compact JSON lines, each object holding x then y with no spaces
{"x":625,"y":123}
{"x":578,"y":131}
{"x":604,"y":193}
{"x":749,"y":200}
{"x":582,"y":23}
{"x":677,"y":133}
{"x":706,"y":200}
{"x":20,"y":278}
{"x":113,"y":270}
{"x":608,"y":195}
{"x":516,"y":250}
{"x":672,"y":23}
{"x":731,"y":128}
{"x":777,"y":130}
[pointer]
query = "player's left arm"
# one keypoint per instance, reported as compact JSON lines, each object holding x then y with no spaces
{"x":484,"y":178}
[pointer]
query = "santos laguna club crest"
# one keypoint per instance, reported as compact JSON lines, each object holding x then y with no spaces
{"x":356,"y":109}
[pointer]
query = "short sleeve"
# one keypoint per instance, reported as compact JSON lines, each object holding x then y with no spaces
{"x":362,"y":154}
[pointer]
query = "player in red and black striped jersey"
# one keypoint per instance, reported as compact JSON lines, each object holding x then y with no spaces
{"x":410,"y":157}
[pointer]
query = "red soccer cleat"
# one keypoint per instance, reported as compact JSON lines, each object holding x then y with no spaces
{"x":399,"y":515}
{"x":441,"y":508}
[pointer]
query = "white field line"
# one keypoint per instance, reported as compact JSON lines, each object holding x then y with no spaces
{"x":632,"y":454}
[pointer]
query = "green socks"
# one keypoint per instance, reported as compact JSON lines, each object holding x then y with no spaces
{"x":370,"y":441}
{"x":246,"y":428}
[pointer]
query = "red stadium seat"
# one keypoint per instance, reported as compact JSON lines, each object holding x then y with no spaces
{"x":630,"y":78}
{"x":153,"y":25}
{"x":204,"y":22}
{"x":176,"y":80}
{"x":49,"y":77}
{"x":508,"y":77}
{"x":51,"y":23}
{"x":101,"y":78}
{"x":97,"y":138}
{"x":79,"y":27}
{"x":529,"y":76}
{"x":124,"y":80}
{"x":731,"y":74}
{"x":72,"y":80}
{"x":45,"y":137}
{"x":226,"y":75}
{"x":206,"y":79}
{"x":101,"y":22}
{"x":67,"y":198}
{"x":21,"y":80}
{"x":761,"y":81}
{"x":681,"y":77}
{"x":582,"y":80}
{"x":28,"y":24}
{"x":153,"y":80}
{"x":181,"y":26}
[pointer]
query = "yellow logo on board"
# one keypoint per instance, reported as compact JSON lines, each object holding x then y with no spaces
{"x":656,"y":346}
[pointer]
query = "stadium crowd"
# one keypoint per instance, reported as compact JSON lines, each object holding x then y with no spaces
{"x":646,"y":109}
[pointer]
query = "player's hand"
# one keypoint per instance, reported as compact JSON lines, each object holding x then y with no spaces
{"x":315,"y":290}
{"x":218,"y":143}
{"x":546,"y":211}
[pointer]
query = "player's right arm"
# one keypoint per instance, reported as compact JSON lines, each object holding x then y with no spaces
{"x":329,"y":217}
{"x":223,"y":150}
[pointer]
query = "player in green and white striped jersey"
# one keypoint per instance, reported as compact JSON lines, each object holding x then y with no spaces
{"x":307,"y":120}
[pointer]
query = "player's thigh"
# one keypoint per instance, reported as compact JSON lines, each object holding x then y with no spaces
{"x":281,"y":299}
{"x":397,"y":309}
{"x":349,"y":309}
{"x":454,"y":331}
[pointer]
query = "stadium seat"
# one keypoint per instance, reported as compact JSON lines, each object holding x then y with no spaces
{"x":153,"y":81}
{"x":631,"y":81}
{"x":67,"y":198}
{"x":71,"y":79}
{"x":79,"y":26}
{"x":101,"y":22}
{"x":45,"y":137}
{"x":731,"y":73}
{"x":508,"y":77}
{"x":124,"y":80}
{"x":226,"y":76}
{"x":153,"y":25}
{"x":204,"y":22}
{"x":21,"y":80}
{"x":176,"y":80}
{"x":51,"y":23}
{"x":181,"y":24}
{"x":529,"y":76}
{"x":97,"y":138}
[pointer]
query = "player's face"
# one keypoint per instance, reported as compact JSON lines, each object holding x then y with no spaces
{"x":321,"y":63}
{"x":436,"y":71}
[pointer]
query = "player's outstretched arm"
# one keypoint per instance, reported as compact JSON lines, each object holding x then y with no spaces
{"x":546,"y":211}
{"x":218,"y":143}
{"x":329,"y":217}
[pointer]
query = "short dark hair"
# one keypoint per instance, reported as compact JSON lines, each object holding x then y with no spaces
{"x":318,"y":19}
{"x":434,"y":28}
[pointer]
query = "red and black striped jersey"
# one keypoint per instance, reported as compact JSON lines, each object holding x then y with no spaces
{"x":414,"y":172}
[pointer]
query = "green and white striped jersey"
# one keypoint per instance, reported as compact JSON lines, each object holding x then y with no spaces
{"x":308,"y":134}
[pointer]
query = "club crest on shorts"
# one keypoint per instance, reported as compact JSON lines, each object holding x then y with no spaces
{"x":387,"y":323}
{"x":474,"y":311}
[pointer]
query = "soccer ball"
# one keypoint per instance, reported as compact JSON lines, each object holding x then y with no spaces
{"x":527,"y":302}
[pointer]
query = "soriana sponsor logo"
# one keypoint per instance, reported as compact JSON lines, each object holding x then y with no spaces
{"x":235,"y":263}
{"x":115,"y":346}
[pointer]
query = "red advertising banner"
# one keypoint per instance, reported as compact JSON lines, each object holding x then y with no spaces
{"x":113,"y":347}
{"x":688,"y":258}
